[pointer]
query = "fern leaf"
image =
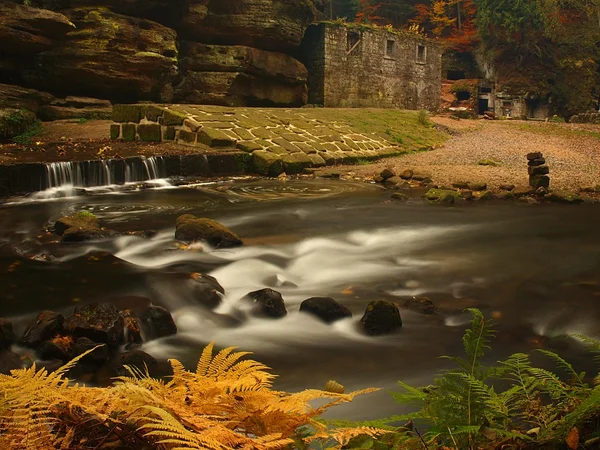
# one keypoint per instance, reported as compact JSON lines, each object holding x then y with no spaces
{"x":562,"y":363}
{"x":205,"y":359}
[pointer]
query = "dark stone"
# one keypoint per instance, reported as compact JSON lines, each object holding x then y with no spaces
{"x":536,"y":181}
{"x":45,"y":326}
{"x":381,"y":317}
{"x":266,"y":303}
{"x":447,"y":199}
{"x":325,"y":308}
{"x":7,"y":335}
{"x":190,"y":228}
{"x":387,"y":173}
{"x":138,"y":359}
{"x":169,"y":134}
{"x":421,"y":305}
{"x":115,"y":131}
{"x":207,"y":290}
{"x":563,"y":197}
{"x":522,"y":191}
{"x":128,"y":132}
{"x":157,"y":322}
{"x":399,"y":196}
{"x":150,"y":132}
{"x":100,"y":322}
{"x":534,"y":155}
{"x":541,"y":191}
{"x":506,"y":195}
{"x":51,"y":366}
{"x":461,"y":185}
{"x":536,"y":162}
{"x":50,"y":350}
{"x":393,"y":181}
{"x":467,"y":194}
{"x":478,"y":186}
{"x":424,"y":177}
{"x":485,"y":195}
{"x":96,"y":358}
{"x":9,"y":361}
{"x":507,"y":187}
{"x":133,"y":333}
{"x":403,"y":185}
{"x":407,"y":174}
{"x":538,"y":170}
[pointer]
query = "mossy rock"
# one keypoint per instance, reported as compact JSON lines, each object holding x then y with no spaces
{"x":295,"y":162}
{"x":243,"y":134}
{"x":441,"y":195}
{"x":316,"y":160}
{"x":128,"y":132}
{"x":149,"y":132}
{"x":83,"y":219}
{"x":563,"y":197}
{"x":153,"y":113}
{"x":128,"y":113}
{"x":277,"y":149}
{"x":267,"y":163}
{"x":188,"y":137}
{"x":190,"y":228}
{"x":490,"y":162}
{"x":171,"y":118}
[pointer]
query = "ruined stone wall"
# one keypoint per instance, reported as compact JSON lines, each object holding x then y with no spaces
{"x":377,"y":68}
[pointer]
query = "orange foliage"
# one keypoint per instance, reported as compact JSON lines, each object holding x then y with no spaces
{"x":367,"y":12}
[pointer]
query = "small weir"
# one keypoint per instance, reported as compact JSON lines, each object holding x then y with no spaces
{"x":66,"y":176}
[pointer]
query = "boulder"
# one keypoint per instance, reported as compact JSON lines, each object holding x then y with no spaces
{"x":46,"y":326}
{"x":407,"y":174}
{"x":9,"y":361}
{"x":536,"y":162}
{"x":16,"y":97}
{"x":96,"y":358}
{"x":325,"y":308}
{"x":387,"y":173}
{"x":393,"y":181}
{"x":207,"y":290}
{"x":49,"y":350}
{"x":74,"y":234}
{"x":76,"y":108}
{"x":507,"y":187}
{"x":477,"y":186}
{"x":421,"y":305}
{"x":563,"y":197}
{"x":266,"y":303}
{"x":7,"y":335}
{"x":190,"y":228}
{"x":534,"y":155}
{"x":381,"y":317}
{"x":133,"y":332}
{"x":157,"y":322}
{"x":441,"y":195}
{"x":82,"y":219}
{"x":276,"y":25}
{"x":138,"y":359}
{"x":422,"y":176}
{"x":110,"y":56}
{"x":537,"y":181}
{"x":538,"y":170}
{"x":100,"y":322}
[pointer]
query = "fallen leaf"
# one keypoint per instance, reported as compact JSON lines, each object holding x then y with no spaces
{"x":572,"y":439}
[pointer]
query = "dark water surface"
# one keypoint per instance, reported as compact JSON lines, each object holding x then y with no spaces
{"x":535,"y":269}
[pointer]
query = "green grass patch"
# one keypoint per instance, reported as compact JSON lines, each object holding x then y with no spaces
{"x":26,"y":137}
{"x":553,"y":129}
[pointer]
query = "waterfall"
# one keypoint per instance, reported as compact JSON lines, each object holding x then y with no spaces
{"x":63,"y":178}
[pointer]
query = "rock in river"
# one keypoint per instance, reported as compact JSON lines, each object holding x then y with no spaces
{"x":158,"y":322}
{"x":325,"y":308}
{"x":190,"y":228}
{"x":45,"y":326}
{"x":266,"y":303}
{"x":381,"y":317}
{"x":100,"y":322}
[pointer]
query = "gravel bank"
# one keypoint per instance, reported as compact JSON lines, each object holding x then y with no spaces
{"x":571,"y":150}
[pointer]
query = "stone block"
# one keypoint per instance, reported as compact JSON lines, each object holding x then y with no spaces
{"x":192,"y":124}
{"x":153,"y":113}
{"x":229,"y":163}
{"x":171,"y":117}
{"x":243,"y":134}
{"x":115,"y":131}
{"x":267,"y":163}
{"x":537,"y":181}
{"x":316,"y":160}
{"x":295,"y":162}
{"x":263,"y":133}
{"x":127,"y":113}
{"x":128,"y":132}
{"x":277,"y":149}
{"x":215,"y":138}
{"x":169,"y":134}
{"x":328,"y":158}
{"x":538,"y":170}
{"x":187,"y":136}
{"x":149,"y":132}
{"x":248,"y":146}
{"x":306,"y":148}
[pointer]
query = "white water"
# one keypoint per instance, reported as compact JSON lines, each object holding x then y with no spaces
{"x":66,"y":179}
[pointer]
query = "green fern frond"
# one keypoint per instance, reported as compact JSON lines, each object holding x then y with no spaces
{"x":563,"y":364}
{"x":592,"y":345}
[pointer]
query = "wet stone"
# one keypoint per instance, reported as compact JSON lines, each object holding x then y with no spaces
{"x":536,"y":162}
{"x":100,"y":322}
{"x":266,"y":303}
{"x":44,"y":327}
{"x":381,"y":317}
{"x":538,"y":170}
{"x":157,"y":322}
{"x":534,"y":155}
{"x":325,"y":308}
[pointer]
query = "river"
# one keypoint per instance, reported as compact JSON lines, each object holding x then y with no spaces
{"x":534,"y":268}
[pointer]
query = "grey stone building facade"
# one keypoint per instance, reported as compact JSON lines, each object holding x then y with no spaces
{"x":352,"y":66}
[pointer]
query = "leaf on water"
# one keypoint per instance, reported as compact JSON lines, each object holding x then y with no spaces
{"x":572,"y":439}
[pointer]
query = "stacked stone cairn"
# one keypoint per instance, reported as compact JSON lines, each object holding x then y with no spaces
{"x":538,"y":170}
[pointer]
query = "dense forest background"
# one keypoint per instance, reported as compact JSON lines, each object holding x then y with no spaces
{"x":544,"y":49}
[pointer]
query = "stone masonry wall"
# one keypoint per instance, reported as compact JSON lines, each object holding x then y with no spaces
{"x":385,"y":69}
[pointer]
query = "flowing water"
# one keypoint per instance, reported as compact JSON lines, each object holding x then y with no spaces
{"x":535,"y":269}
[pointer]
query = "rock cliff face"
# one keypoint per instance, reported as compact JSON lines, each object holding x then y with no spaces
{"x":191,"y":51}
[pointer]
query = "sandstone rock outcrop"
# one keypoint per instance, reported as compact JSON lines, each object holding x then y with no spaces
{"x":110,"y":56}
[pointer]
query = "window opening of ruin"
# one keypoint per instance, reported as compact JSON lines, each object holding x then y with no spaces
{"x":353,"y":41}
{"x":421,"y":53}
{"x":463,"y":95}
{"x":485,"y":90}
{"x":454,"y":75}
{"x":390,"y":48}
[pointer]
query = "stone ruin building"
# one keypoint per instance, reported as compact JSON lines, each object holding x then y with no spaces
{"x":353,"y":66}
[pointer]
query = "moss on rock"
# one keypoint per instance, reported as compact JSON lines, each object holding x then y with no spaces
{"x":267,"y":163}
{"x":190,"y":228}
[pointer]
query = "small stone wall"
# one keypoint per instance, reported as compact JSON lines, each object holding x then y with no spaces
{"x":586,"y":118}
{"x":277,"y":140}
